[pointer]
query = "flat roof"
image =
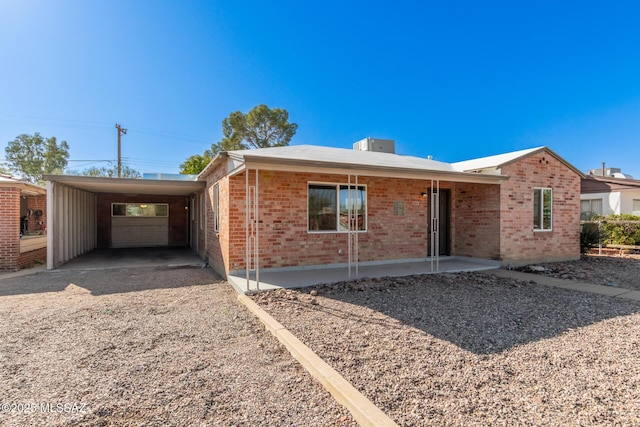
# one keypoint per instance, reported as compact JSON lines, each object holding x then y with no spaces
{"x":128,"y":185}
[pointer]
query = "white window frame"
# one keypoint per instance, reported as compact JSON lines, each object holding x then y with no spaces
{"x":216,"y":208}
{"x":337,"y":186}
{"x":201,"y":210}
{"x":635,"y":203}
{"x":541,"y":209}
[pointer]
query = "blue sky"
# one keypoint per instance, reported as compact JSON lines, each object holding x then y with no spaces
{"x":455,"y":80}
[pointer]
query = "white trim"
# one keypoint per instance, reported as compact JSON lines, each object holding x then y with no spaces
{"x":543,"y":230}
{"x":216,"y":208}
{"x":201,"y":210}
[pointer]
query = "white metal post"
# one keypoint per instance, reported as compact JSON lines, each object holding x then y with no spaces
{"x":349,"y":243}
{"x":257,"y":233}
{"x":356,"y":226}
{"x":246,"y":212}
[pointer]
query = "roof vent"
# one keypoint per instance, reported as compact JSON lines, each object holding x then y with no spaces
{"x":374,"y":144}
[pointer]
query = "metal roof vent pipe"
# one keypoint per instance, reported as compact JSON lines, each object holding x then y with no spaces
{"x":375,"y":144}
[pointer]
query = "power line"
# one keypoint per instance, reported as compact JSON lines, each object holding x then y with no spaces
{"x":85,"y":124}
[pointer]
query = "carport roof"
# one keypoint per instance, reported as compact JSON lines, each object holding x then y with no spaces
{"x":128,"y":185}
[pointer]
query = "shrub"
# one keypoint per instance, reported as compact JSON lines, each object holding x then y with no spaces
{"x":590,"y":236}
{"x":621,"y":229}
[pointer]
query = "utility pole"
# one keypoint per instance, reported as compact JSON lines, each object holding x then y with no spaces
{"x":121,"y":131}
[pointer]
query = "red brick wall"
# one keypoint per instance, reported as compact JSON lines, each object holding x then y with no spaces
{"x":285,"y":241}
{"x":9,"y":227}
{"x":178,"y":216}
{"x":217,"y":243}
{"x":476,"y":219}
{"x":519,"y":243}
{"x":27,"y":258}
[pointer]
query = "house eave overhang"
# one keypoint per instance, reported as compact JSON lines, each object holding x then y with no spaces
{"x":128,"y":185}
{"x":26,"y":189}
{"x":596,"y":185}
{"x":298,"y":165}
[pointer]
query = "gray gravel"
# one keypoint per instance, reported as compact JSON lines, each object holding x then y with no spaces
{"x":473,"y":349}
{"x":154,"y":347}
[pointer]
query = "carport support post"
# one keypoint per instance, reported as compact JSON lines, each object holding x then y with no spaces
{"x":50,"y":224}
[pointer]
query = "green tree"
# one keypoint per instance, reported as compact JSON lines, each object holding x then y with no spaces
{"x":195,"y":164}
{"x":261,"y":127}
{"x":32,"y":156}
{"x":111,"y":172}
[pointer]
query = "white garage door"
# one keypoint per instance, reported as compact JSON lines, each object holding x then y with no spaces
{"x":139,"y":225}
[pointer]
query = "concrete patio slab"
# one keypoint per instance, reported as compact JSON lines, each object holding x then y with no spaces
{"x":300,"y":277}
{"x":632,"y":295}
{"x":134,"y":257}
{"x":568,"y":284}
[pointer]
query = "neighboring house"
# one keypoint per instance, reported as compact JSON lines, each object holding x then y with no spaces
{"x":22,"y":223}
{"x":302,"y":206}
{"x":607,"y":195}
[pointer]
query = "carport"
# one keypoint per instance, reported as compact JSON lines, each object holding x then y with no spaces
{"x":86,"y":213}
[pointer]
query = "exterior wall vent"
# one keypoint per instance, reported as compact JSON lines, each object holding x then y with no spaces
{"x":375,"y":144}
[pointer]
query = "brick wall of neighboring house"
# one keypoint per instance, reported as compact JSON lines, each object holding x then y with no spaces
{"x":9,"y":227}
{"x":476,"y":220}
{"x":178,"y":216}
{"x":284,"y":237}
{"x":37,"y":203}
{"x":28,"y":258}
{"x":519,"y":243}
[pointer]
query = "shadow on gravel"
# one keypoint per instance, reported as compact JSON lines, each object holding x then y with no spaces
{"x":477,"y":312}
{"x":109,"y":281}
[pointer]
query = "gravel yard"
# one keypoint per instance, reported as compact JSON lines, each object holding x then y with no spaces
{"x":132,"y":347}
{"x":473,"y":349}
{"x":620,"y":271}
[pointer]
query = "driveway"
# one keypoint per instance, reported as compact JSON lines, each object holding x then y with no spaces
{"x":153,"y":346}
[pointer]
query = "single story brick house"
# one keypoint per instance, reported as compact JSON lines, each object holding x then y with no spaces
{"x":23,"y":211}
{"x":304,"y":206}
{"x":311,"y":206}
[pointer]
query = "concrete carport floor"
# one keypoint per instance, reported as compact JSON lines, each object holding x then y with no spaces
{"x":135,"y":257}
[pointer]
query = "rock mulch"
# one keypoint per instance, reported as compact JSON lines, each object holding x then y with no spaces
{"x":607,"y":270}
{"x":474,"y":349}
{"x":146,"y":347}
